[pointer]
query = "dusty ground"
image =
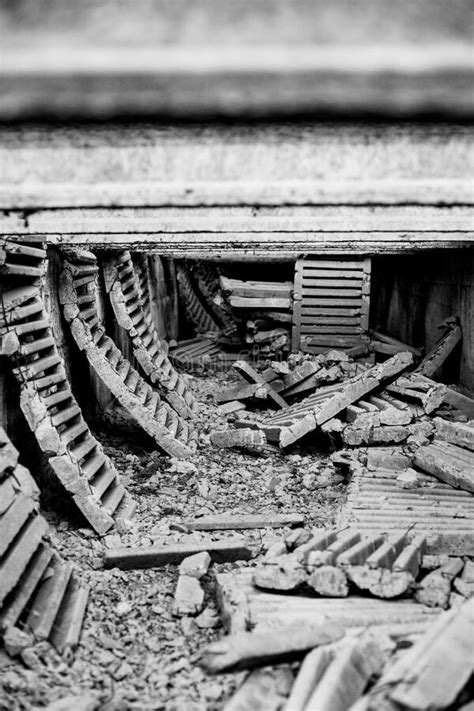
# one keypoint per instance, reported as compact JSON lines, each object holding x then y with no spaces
{"x":134,"y":653}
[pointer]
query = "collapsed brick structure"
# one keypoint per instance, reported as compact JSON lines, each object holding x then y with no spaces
{"x":303,"y":240}
{"x":41,"y":595}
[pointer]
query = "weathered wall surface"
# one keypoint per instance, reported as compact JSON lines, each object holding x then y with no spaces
{"x":221,"y":155}
{"x":412,"y":294}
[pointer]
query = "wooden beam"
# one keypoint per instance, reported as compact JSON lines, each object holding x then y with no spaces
{"x":294,"y":219}
{"x":226,"y":550}
{"x":421,"y":191}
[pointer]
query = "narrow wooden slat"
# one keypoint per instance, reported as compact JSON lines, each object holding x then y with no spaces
{"x":332,"y":301}
{"x":297,"y":297}
{"x":365,"y":309}
{"x":324,"y":310}
{"x":342,"y":264}
{"x":322,"y":292}
{"x":330,"y":320}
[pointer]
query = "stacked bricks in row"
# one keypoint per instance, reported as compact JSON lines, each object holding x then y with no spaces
{"x":41,"y":597}
{"x":122,"y":286}
{"x":199,"y":318}
{"x":197,"y":354}
{"x":19,"y":259}
{"x":78,"y":295}
{"x":52,"y":413}
{"x":142,"y":284}
{"x":386,"y":566}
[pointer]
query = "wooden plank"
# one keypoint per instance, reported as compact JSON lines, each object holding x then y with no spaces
{"x":297,"y":300}
{"x":321,"y":292}
{"x":336,"y":330}
{"x":248,"y":649}
{"x":332,"y":264}
{"x":316,"y":283}
{"x":310,"y":302}
{"x":313,"y":274}
{"x":365,"y":309}
{"x":331,"y":341}
{"x":158,"y":193}
{"x":247,"y":246}
{"x":227,"y":550}
{"x":251,"y":376}
{"x":256,"y":289}
{"x":323,"y":310}
{"x":331,"y":320}
{"x":356,"y":389}
{"x":435,"y":358}
{"x":338,"y":222}
{"x":391,"y":341}
{"x":227,"y":522}
{"x":240,"y":302}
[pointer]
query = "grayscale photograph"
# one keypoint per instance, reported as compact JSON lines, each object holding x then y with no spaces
{"x":236,"y":355}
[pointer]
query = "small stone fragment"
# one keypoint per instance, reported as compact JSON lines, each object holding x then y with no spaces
{"x":195,"y":566}
{"x":16,"y":640}
{"x":408,"y":479}
{"x":189,"y":596}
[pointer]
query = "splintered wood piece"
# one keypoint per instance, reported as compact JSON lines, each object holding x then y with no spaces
{"x":251,"y":376}
{"x":432,"y":673}
{"x":262,"y":690}
{"x":435,"y":589}
{"x":356,"y":389}
{"x":251,"y":649}
{"x":225,"y":551}
{"x":224,"y":522}
{"x":435,"y":358}
{"x":394,"y":342}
